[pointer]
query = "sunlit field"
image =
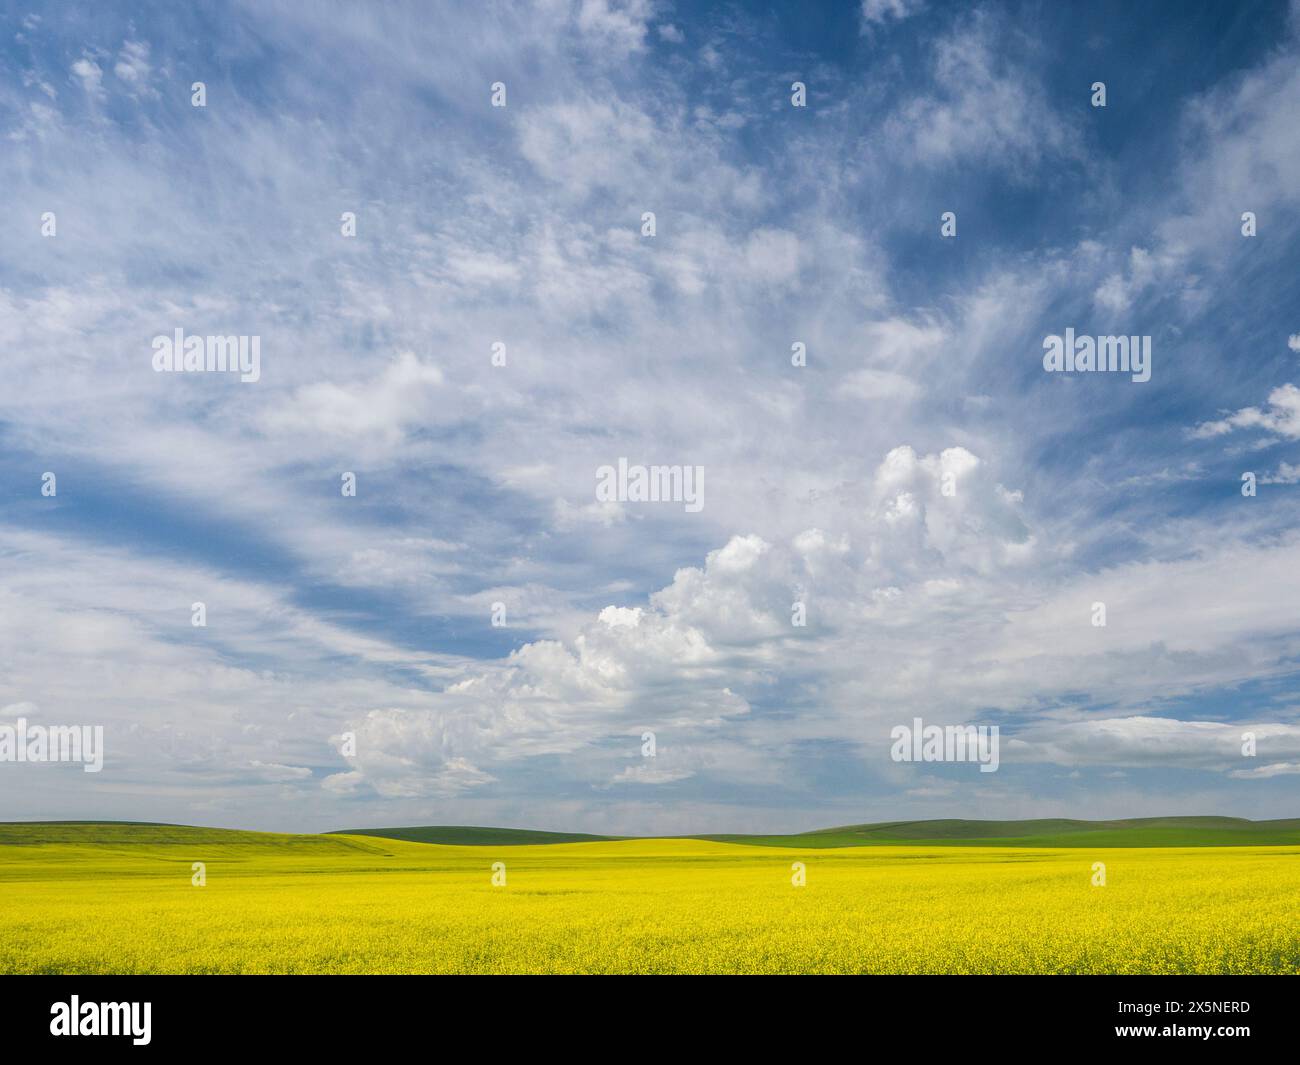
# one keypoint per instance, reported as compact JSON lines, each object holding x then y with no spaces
{"x":351,"y":904}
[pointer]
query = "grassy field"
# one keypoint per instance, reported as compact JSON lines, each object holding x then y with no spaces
{"x":119,"y":898}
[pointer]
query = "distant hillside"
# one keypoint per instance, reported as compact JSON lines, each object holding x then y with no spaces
{"x":471,"y":836}
{"x":128,"y":834}
{"x":1131,"y":832}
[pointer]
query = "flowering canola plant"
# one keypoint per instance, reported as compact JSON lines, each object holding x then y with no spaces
{"x":341,"y":904}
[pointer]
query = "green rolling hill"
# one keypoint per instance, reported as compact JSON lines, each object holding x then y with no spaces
{"x":107,"y":835}
{"x":1059,"y":833}
{"x":1133,"y":832}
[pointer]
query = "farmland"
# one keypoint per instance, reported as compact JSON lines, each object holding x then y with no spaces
{"x":82,"y":898}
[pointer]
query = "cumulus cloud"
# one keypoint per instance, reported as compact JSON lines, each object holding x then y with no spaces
{"x":683,"y":659}
{"x":629,"y":666}
{"x":1279,"y":416}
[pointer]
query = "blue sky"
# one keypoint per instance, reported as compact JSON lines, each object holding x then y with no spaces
{"x":371,"y":615}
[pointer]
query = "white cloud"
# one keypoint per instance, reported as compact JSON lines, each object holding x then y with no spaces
{"x":1265,"y":772}
{"x":880,"y":384}
{"x":400,"y":396}
{"x":88,"y":72}
{"x":23,"y":709}
{"x":603,"y":514}
{"x":1286,"y":473}
{"x":1157,"y":741}
{"x":982,"y":106}
{"x":584,"y":145}
{"x":650,"y":773}
{"x":133,"y":69}
{"x":277,"y":773}
{"x":879,"y":11}
{"x":618,"y":26}
{"x":1280,"y":416}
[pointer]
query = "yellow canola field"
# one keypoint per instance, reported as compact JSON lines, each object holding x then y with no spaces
{"x":365,"y":905}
